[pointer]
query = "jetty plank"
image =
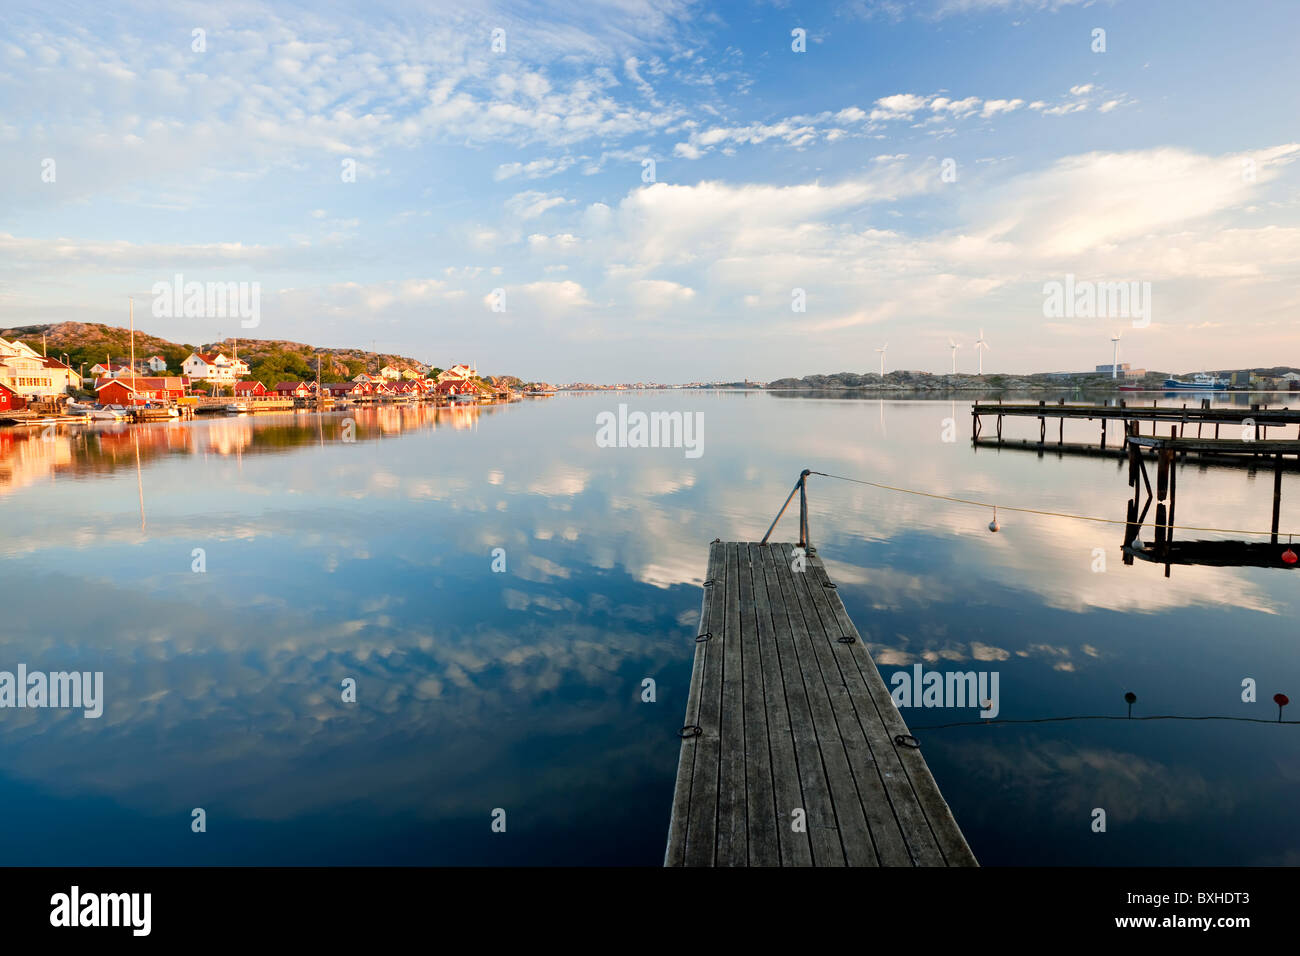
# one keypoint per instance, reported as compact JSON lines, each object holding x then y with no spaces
{"x":796,"y":722}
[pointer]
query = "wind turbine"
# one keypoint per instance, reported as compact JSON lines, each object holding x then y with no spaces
{"x":954,"y":346}
{"x":881,"y":350}
{"x":980,"y":346}
{"x":1114,"y":356}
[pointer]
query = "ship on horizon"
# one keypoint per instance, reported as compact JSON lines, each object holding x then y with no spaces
{"x":1201,"y":382}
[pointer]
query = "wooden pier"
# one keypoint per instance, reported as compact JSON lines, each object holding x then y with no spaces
{"x":1248,"y":427}
{"x":793,"y":753}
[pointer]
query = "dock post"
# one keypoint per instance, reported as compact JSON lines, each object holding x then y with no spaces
{"x":1277,"y":494}
{"x":1173,"y":506}
{"x":803,"y":509}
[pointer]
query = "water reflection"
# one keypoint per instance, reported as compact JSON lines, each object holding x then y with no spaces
{"x":372,"y":559}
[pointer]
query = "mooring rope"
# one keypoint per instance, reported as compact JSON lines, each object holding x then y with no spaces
{"x":1037,"y":511}
{"x":1050,"y":720}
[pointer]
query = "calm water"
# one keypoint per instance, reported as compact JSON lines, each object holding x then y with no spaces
{"x":372,"y":560}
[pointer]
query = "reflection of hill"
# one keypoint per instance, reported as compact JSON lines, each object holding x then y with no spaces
{"x":25,"y":456}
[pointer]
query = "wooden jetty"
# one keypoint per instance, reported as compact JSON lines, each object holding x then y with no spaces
{"x":793,"y":753}
{"x":1249,"y":426}
{"x":1168,"y":451}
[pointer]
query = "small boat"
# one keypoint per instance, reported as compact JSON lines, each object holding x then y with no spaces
{"x":1200,"y":382}
{"x":110,"y":413}
{"x":1132,"y":388}
{"x":464,"y":398}
{"x":237,"y":408}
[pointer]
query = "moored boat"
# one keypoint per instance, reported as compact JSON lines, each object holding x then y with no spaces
{"x":1200,"y":382}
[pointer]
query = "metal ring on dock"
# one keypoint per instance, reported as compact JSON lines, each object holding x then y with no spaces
{"x":908,"y":741}
{"x":689,"y":731}
{"x":846,"y":639}
{"x":708,"y":583}
{"x":701,"y":638}
{"x":830,"y":584}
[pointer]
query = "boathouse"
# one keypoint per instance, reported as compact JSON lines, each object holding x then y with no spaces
{"x":139,"y":390}
{"x":293,"y":390}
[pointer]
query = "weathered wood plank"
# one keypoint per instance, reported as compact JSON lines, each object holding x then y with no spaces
{"x":819,"y":812}
{"x":702,"y":827}
{"x":855,"y":834}
{"x":732,"y":820}
{"x":890,"y":806}
{"x":891,"y":791}
{"x":794,"y":847}
{"x":943,"y":825}
{"x":675,"y":855}
{"x":763,"y":843}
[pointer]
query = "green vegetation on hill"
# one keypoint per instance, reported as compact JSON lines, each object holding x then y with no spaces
{"x":270,"y":360}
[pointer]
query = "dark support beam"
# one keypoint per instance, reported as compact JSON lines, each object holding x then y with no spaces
{"x":1277,"y":494}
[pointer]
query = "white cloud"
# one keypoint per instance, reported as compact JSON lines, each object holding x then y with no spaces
{"x":531,"y":204}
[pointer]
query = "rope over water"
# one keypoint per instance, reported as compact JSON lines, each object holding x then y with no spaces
{"x":1032,"y":511}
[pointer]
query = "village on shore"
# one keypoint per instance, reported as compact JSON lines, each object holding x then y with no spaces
{"x":35,"y":388}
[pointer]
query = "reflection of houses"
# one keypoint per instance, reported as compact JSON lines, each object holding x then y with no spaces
{"x":135,"y":390}
{"x":28,"y":457}
{"x":227,"y":436}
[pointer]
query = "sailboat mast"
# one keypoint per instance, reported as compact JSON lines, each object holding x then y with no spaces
{"x":133,"y":381}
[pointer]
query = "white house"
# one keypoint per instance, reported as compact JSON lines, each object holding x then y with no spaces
{"x":215,"y":368}
{"x":32,"y":375}
{"x":109,"y":370}
{"x":157,"y":363}
{"x":457,"y":373}
{"x":390,"y":373}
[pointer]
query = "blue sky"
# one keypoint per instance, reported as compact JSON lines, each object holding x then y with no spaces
{"x":1169,"y":159}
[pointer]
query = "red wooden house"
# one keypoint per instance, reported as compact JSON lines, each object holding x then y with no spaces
{"x":11,"y":401}
{"x":250,"y":390}
{"x":138,"y":391}
{"x":293,"y":390}
{"x":346,"y":389}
